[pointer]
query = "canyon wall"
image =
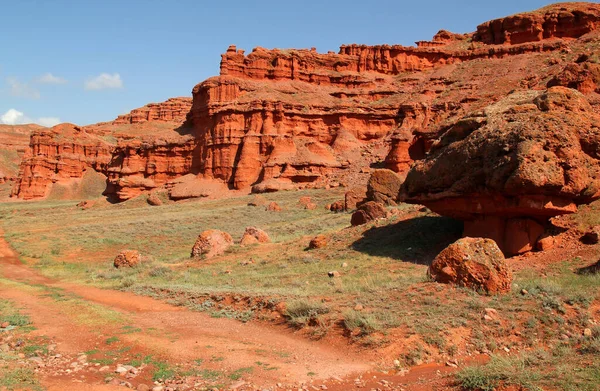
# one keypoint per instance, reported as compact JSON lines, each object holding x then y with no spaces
{"x":277,"y":119}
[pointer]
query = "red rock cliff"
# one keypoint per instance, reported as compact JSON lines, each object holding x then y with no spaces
{"x":280,"y":118}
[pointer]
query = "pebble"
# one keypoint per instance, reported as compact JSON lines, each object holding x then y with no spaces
{"x":587,"y":333}
{"x":4,"y":325}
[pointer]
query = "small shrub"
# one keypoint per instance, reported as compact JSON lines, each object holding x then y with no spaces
{"x":300,"y":313}
{"x":365,"y":322}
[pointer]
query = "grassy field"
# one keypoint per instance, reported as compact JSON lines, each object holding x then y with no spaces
{"x":382,"y":300}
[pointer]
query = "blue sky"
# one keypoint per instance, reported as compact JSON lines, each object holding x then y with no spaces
{"x":86,"y":61}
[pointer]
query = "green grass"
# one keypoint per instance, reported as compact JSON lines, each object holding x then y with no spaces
{"x":18,"y":379}
{"x":9,"y":313}
{"x":302,"y":312}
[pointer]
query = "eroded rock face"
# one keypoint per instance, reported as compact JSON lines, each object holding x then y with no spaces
{"x":509,"y":168}
{"x":14,"y":141}
{"x":562,"y":20}
{"x":285,"y":119}
{"x":60,"y":154}
{"x":172,"y":110}
{"x":475,"y":263}
{"x":127,"y":258}
{"x":211,"y":243}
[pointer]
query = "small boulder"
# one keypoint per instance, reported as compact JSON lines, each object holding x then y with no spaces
{"x":273,"y":207}
{"x":4,"y":325}
{"x":303,"y":201}
{"x":334,"y":274}
{"x":353,"y":197}
{"x":254,"y":235}
{"x":154,"y":200}
{"x":475,"y":263}
{"x":211,"y":243}
{"x":367,"y":212}
{"x":318,"y":241}
{"x":545,"y":243}
{"x":384,"y":186}
{"x":127,"y":258}
{"x":310,"y":206}
{"x":337,"y":207}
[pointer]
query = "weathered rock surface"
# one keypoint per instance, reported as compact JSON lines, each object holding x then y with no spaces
{"x":355,"y":196}
{"x":127,"y":258}
{"x":562,"y":20}
{"x":254,"y":235}
{"x":14,"y":141}
{"x":383,"y":187}
{"x":509,"y":168}
{"x":318,"y":241}
{"x":172,"y":110}
{"x":60,"y":154}
{"x":369,"y":211}
{"x":475,"y":263}
{"x":211,"y":243}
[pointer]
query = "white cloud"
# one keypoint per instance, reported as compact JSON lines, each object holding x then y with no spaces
{"x":22,"y":90}
{"x":103,"y":81}
{"x":13,"y":117}
{"x":16,"y":117}
{"x":48,"y":121}
{"x":49,"y":78}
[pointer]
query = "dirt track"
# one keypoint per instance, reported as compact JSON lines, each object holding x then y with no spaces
{"x":180,"y":336}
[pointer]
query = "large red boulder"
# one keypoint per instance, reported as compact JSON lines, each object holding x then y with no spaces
{"x":211,"y":243}
{"x":475,"y":263}
{"x":508,"y":169}
{"x":383,"y":186}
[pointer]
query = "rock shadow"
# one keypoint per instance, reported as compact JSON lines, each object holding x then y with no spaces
{"x":591,"y":269}
{"x":416,"y":240}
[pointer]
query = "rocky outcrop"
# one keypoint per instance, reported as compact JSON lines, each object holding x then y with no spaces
{"x":562,"y":20}
{"x":284,"y":119}
{"x":138,"y":166}
{"x":135,"y":156}
{"x":509,"y":168}
{"x":172,"y":110}
{"x":475,"y":263}
{"x":61,"y":154}
{"x":14,"y":141}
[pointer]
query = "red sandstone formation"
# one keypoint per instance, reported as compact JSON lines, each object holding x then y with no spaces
{"x":281,"y":119}
{"x":562,"y":20}
{"x":172,"y":110}
{"x":14,"y":140}
{"x":509,"y":168}
{"x":58,"y":155}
